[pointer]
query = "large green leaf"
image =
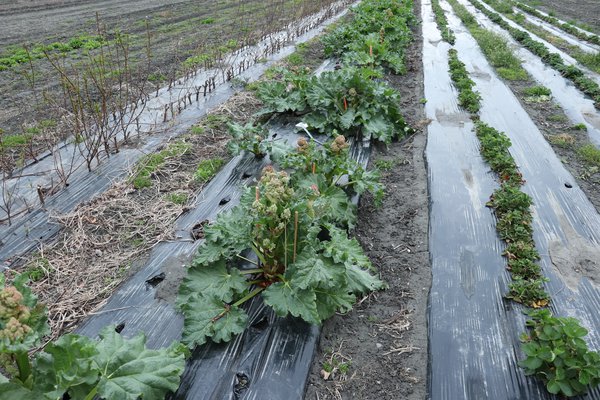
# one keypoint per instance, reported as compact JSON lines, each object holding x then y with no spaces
{"x":208,"y":317}
{"x":333,"y":299}
{"x":229,"y":235}
{"x":378,"y":127}
{"x":129,"y":370}
{"x":318,"y":119}
{"x":212,"y":281}
{"x":344,"y":250}
{"x":286,"y":298}
{"x":276,"y":97}
{"x":361,"y":281}
{"x":367,"y":181}
{"x":347,"y":119}
{"x":66,"y":363}
{"x":311,"y":271}
{"x":13,"y":391}
{"x":232,"y":323}
{"x":332,"y":204}
{"x":336,"y":207}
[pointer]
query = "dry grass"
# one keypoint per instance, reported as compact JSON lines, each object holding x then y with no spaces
{"x":102,"y":239}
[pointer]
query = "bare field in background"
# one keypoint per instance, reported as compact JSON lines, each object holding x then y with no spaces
{"x":169,"y":33}
{"x":583,"y":11}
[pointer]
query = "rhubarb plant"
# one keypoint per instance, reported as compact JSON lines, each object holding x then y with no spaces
{"x":254,"y":139}
{"x":371,"y":51}
{"x":333,"y":162}
{"x":76,"y":366}
{"x":295,"y":257}
{"x":389,"y":19}
{"x":348,"y":100}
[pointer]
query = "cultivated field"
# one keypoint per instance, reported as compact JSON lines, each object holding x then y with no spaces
{"x":394,"y":199}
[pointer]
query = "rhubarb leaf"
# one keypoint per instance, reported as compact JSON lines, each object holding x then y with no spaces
{"x":286,"y":298}
{"x":333,"y":299}
{"x":66,"y":363}
{"x":311,"y":271}
{"x":212,"y":281}
{"x":129,"y":370}
{"x":361,"y":281}
{"x":208,"y":317}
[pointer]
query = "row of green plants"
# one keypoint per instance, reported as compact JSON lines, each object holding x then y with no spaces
{"x":75,"y":366}
{"x":287,"y":241}
{"x":442,"y":22}
{"x":295,"y":224}
{"x":571,"y":72}
{"x":26,"y":54}
{"x":494,"y":47}
{"x":468,"y":98}
{"x":554,"y":348}
{"x":292,"y":231}
{"x":589,"y":60}
{"x":351,"y":100}
{"x":565,"y":26}
{"x":514,"y":219}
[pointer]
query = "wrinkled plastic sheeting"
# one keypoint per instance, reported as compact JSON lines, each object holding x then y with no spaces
{"x":35,"y":227}
{"x":473,"y":331}
{"x":271,"y":359}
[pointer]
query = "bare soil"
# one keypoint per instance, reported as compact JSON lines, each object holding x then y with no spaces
{"x":383,"y":341}
{"x":585,"y":11}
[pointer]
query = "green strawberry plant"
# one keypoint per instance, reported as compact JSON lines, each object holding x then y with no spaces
{"x":557,"y":354}
{"x":528,"y":291}
{"x":442,"y":22}
{"x":494,"y":149}
{"x":76,"y":366}
{"x":303,"y":264}
{"x":468,"y":98}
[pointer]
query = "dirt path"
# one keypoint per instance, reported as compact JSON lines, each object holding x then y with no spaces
{"x":384,"y":339}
